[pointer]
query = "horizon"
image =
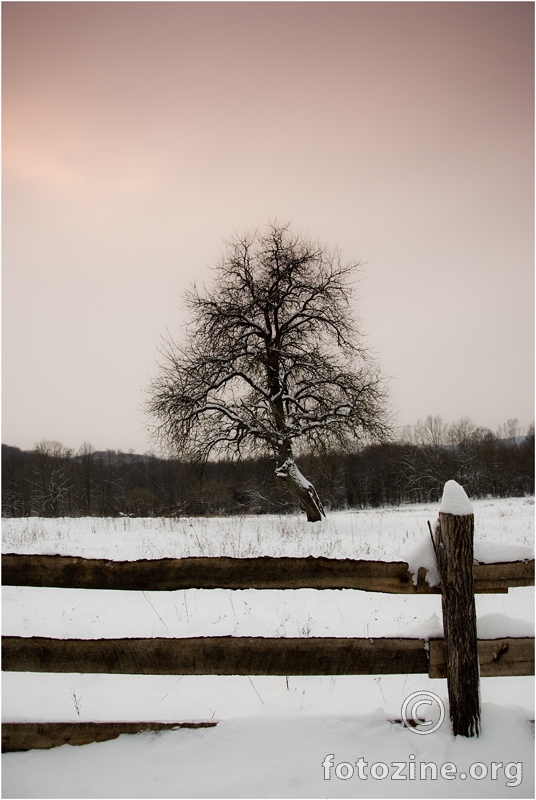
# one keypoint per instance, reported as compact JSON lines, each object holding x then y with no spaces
{"x":500,"y":434}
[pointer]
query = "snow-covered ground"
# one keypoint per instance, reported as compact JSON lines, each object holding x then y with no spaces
{"x":387,"y":534}
{"x":273,"y":733}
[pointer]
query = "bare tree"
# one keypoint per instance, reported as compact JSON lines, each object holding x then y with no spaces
{"x":425,"y":457}
{"x":272,"y":361}
{"x":87,"y":458}
{"x":52,"y":479}
{"x":433,"y":432}
{"x":511,"y":429}
{"x":460,"y":437}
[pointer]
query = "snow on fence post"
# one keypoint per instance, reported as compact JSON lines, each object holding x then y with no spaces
{"x":454,"y":553}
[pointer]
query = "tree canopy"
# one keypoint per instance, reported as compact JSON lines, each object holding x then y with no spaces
{"x":272,"y":360}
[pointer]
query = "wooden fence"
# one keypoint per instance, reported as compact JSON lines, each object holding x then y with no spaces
{"x":230,"y":655}
{"x":172,"y":574}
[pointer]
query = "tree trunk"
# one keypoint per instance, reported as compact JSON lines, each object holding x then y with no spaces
{"x":308,"y":497}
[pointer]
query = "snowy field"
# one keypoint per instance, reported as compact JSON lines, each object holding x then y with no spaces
{"x":273,"y":733}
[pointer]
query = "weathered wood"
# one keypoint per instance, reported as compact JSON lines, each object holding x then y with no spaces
{"x":506,"y":657}
{"x":227,"y":655}
{"x":498,"y":578}
{"x":218,"y":655}
{"x":307,"y":494}
{"x":497,"y":657}
{"x":454,"y":553}
{"x":17,"y":736}
{"x":171,"y":574}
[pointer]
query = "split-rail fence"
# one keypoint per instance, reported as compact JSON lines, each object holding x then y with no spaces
{"x":228,"y":655}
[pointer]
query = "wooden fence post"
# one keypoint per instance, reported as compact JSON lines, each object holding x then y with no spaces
{"x":454,"y":554}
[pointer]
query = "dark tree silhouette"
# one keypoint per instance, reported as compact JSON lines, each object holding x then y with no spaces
{"x":272,"y":361}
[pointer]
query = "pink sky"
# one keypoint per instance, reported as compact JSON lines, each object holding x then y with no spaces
{"x":138,"y":136}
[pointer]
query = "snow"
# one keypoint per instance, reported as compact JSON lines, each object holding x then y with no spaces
{"x":423,"y":555}
{"x":273,"y":734}
{"x":496,"y":553}
{"x":279,"y":758}
{"x":388,"y":534}
{"x":291,"y":468}
{"x":494,"y":626}
{"x":455,"y":500}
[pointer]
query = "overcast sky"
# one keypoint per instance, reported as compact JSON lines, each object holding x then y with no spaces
{"x":138,"y":136}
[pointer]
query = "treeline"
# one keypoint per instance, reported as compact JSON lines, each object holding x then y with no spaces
{"x":53,"y":481}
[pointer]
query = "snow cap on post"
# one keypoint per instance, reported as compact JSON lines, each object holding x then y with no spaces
{"x":455,"y":500}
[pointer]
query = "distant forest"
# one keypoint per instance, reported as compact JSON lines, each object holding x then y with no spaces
{"x":53,"y":481}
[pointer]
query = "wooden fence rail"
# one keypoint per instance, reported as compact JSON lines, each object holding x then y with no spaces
{"x":172,"y":574}
{"x":215,"y":655}
{"x":245,"y":655}
{"x":17,"y":736}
